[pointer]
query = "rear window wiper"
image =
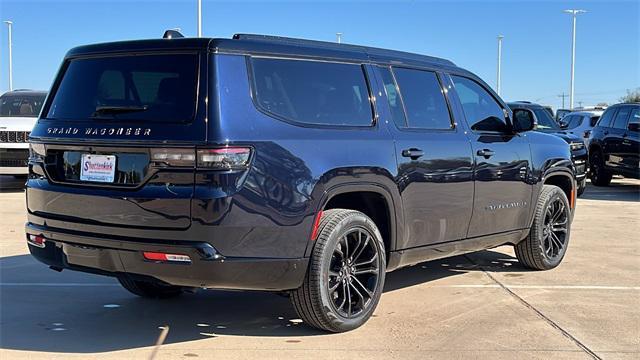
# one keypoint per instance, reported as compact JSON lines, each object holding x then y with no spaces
{"x":104,"y":110}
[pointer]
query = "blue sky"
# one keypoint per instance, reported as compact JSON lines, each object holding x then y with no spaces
{"x":536,"y":50}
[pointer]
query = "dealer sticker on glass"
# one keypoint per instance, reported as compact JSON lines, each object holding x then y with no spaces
{"x":99,"y":168}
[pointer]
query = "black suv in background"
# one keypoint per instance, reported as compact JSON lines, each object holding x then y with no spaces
{"x":527,"y":111}
{"x":278,"y":164}
{"x":614,"y":144}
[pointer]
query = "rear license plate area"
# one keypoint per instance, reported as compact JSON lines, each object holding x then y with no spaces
{"x":98,"y":168}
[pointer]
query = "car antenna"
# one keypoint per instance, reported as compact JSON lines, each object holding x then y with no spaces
{"x":172,"y":34}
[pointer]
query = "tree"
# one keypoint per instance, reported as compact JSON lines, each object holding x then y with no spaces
{"x":632,"y":96}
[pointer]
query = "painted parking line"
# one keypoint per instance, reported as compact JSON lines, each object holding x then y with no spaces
{"x":549,"y":287}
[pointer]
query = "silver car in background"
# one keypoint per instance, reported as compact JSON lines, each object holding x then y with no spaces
{"x":580,"y":123}
{"x":19,"y":110}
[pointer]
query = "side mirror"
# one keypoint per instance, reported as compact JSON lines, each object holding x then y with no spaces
{"x":523,"y":120}
{"x":634,"y":126}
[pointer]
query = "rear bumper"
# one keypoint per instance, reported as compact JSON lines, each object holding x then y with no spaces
{"x":118,"y":257}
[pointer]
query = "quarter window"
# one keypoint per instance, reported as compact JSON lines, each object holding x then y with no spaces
{"x":312,"y":92}
{"x":481,"y":110}
{"x":423,"y":98}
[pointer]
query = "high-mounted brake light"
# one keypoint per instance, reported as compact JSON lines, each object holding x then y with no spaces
{"x":156,"y":256}
{"x":36,"y":240}
{"x":227,"y":158}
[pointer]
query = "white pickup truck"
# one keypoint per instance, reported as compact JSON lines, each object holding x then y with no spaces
{"x":19,"y":110}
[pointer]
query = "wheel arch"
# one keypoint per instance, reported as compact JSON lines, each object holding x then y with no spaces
{"x":374,"y":200}
{"x":565,"y":180}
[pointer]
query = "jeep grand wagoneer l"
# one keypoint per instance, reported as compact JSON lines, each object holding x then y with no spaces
{"x":278,"y":164}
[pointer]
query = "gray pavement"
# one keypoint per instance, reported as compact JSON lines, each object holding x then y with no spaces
{"x":482,"y":305}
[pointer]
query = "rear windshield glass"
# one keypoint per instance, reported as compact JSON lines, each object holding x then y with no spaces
{"x":21,"y":105}
{"x":313,"y":92}
{"x":140,"y":88}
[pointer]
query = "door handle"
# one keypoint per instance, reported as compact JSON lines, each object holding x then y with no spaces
{"x":487,"y":153}
{"x":412,"y":153}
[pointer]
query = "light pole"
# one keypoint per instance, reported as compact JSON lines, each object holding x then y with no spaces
{"x":199,"y":18}
{"x":339,"y":37}
{"x":574,"y":13}
{"x":499,"y":75}
{"x":10,"y":26}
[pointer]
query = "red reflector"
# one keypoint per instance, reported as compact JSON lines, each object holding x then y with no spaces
{"x":155,"y":256}
{"x":36,"y":240}
{"x":316,"y":224}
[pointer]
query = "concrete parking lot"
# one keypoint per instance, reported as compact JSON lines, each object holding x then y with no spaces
{"x":483,"y":305}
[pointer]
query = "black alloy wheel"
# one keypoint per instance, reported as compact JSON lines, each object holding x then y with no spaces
{"x":598,"y":174}
{"x":346,"y":273}
{"x":548,"y":239}
{"x":554,"y":232}
{"x":353,"y":273}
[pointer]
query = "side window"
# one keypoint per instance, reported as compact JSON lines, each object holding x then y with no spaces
{"x":620,"y":121}
{"x":423,"y":98}
{"x":574,"y":121}
{"x":482,"y":111}
{"x":393,"y":97}
{"x":605,"y":119}
{"x":635,"y":116}
{"x":313,"y":92}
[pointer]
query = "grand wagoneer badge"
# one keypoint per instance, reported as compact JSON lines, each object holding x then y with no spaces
{"x":128,"y":131}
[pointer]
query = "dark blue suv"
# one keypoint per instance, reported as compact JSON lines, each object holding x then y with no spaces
{"x":277,"y":164}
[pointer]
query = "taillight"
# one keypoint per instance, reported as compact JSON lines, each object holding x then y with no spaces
{"x":164,"y":257}
{"x":227,"y":158}
{"x":36,"y":240}
{"x":174,"y":157}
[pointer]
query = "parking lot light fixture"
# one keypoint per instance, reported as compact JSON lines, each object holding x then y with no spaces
{"x":499,"y":75}
{"x":574,"y":13}
{"x":10,"y":28}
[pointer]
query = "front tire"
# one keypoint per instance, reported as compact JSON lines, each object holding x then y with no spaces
{"x":346,"y":273}
{"x":582,"y":185}
{"x":598,"y":174}
{"x":548,"y":238}
{"x":149,"y":289}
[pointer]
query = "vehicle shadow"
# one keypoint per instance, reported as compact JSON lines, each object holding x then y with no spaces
{"x":618,"y":190}
{"x":42,"y":310}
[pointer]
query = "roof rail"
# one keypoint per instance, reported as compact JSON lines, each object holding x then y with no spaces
{"x":370,"y":51}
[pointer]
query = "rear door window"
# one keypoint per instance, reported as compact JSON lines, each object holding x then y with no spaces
{"x":605,"y":119}
{"x":312,"y":92}
{"x":573,"y":121}
{"x":393,"y":97}
{"x":141,"y":88}
{"x":620,"y":121}
{"x":424,"y":102}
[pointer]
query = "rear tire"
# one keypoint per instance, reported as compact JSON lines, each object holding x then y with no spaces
{"x":149,"y":289}
{"x":346,"y":273}
{"x":599,"y":175}
{"x":548,"y":238}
